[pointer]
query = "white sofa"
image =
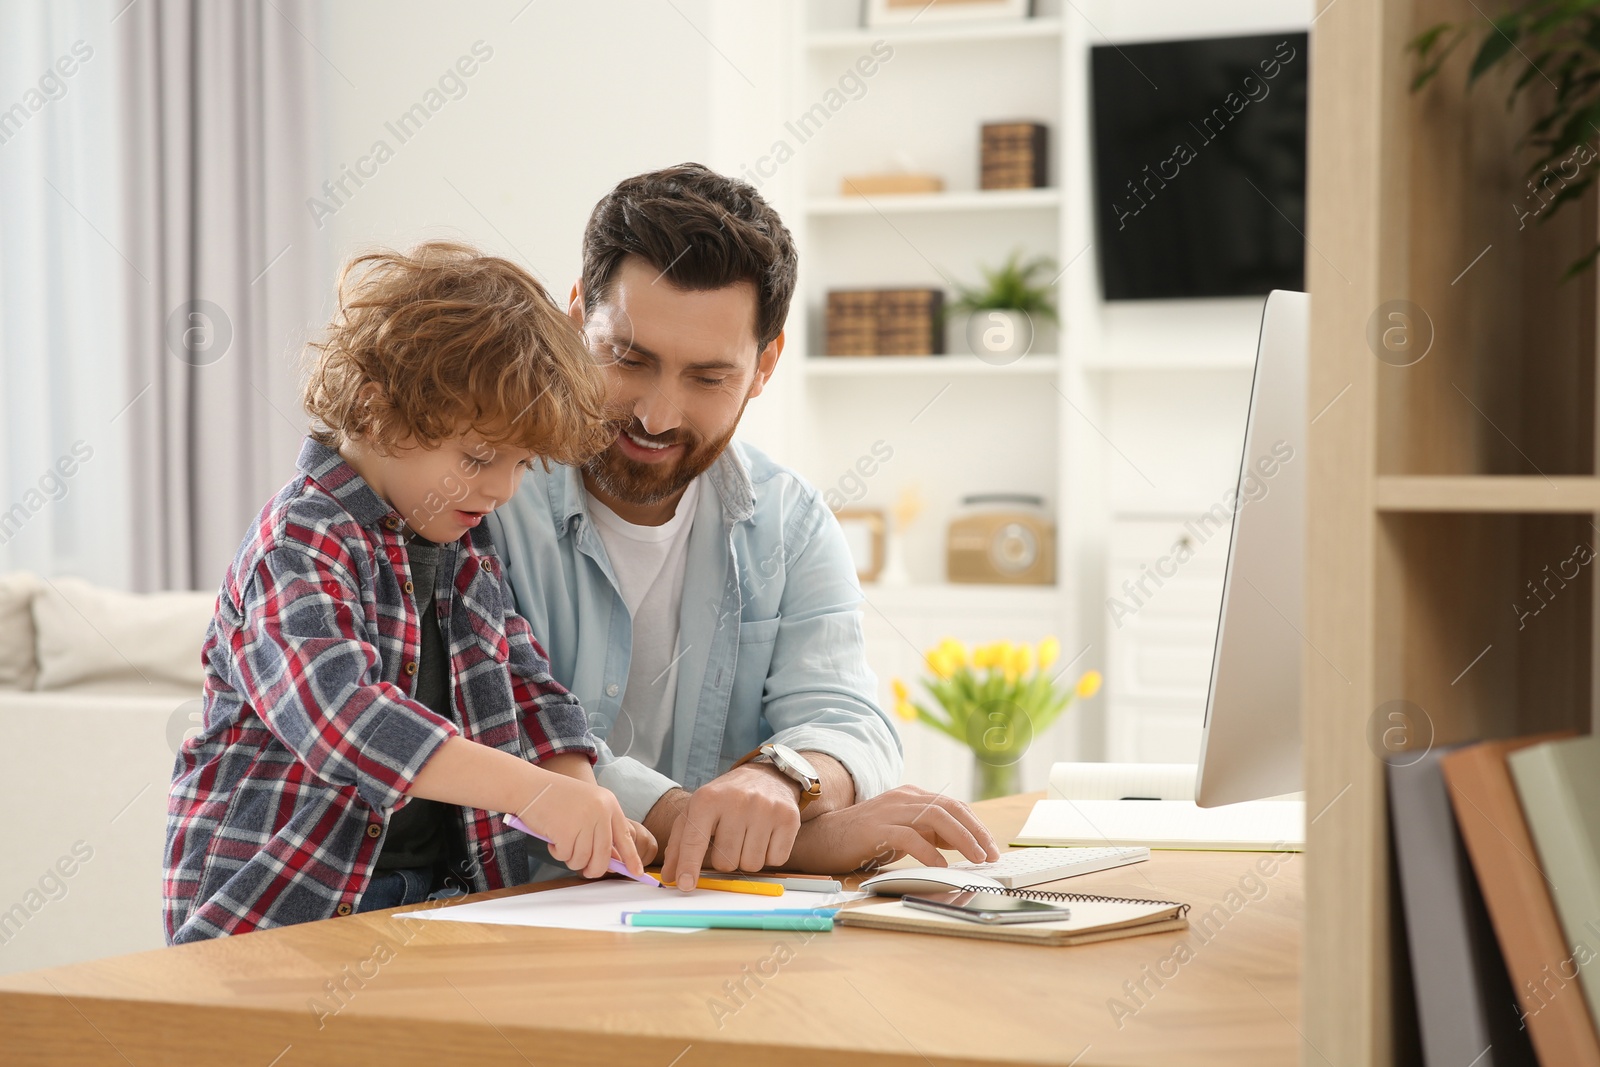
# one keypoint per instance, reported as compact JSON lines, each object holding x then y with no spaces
{"x":97,"y":688}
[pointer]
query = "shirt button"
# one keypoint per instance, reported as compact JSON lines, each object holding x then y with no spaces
{"x":410,"y":588}
{"x":411,"y":667}
{"x":611,"y":690}
{"x":374,"y":830}
{"x":488,"y":565}
{"x":392,"y":522}
{"x":343,"y":909}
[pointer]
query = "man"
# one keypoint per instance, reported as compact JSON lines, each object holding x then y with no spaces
{"x":698,"y":597}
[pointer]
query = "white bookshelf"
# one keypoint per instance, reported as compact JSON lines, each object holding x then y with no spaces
{"x":917,"y":203}
{"x":1122,"y":410}
{"x":933,"y":367}
{"x":964,"y":598}
{"x":958,"y":425}
{"x":960,"y":34}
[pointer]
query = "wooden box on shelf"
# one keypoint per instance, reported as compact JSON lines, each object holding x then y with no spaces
{"x":910,"y":322}
{"x":889,"y":184}
{"x":1014,"y":155}
{"x":885,"y":322}
{"x":852,"y":322}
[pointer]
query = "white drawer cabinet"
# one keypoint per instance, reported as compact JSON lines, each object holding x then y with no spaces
{"x":1163,"y":593}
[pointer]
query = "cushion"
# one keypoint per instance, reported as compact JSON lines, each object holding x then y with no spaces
{"x":93,"y":639}
{"x":17,"y":663}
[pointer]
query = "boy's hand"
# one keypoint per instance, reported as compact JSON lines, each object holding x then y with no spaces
{"x":584,"y":824}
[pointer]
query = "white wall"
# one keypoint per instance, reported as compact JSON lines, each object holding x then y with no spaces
{"x":1183,"y":429}
{"x":572,"y":98}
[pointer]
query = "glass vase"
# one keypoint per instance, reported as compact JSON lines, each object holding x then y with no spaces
{"x":990,"y":779}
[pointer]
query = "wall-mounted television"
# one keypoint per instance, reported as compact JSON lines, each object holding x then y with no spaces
{"x":1200,"y":166}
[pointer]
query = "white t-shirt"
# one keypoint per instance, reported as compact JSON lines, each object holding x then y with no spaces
{"x":649,"y":564}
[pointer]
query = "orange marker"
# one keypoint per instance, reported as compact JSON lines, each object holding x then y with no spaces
{"x":728,"y":885}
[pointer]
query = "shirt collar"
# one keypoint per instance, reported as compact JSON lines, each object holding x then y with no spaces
{"x":731,"y":479}
{"x":728,"y":475}
{"x":325,"y":466}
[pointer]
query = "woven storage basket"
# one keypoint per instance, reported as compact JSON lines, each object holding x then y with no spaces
{"x":1014,"y":155}
{"x":885,"y":322}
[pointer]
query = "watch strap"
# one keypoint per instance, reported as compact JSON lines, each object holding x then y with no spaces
{"x":758,"y":754}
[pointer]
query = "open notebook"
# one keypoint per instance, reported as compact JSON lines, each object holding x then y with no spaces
{"x":1092,"y":919}
{"x":1255,"y":826}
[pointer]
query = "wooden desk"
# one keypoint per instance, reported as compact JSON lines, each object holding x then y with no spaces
{"x":451,"y":993}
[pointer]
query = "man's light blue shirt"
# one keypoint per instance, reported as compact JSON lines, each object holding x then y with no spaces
{"x":770,"y":639}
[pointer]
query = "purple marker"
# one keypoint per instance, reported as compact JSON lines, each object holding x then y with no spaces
{"x":616,"y":865}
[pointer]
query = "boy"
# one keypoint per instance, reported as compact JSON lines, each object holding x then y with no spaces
{"x":371,"y":695}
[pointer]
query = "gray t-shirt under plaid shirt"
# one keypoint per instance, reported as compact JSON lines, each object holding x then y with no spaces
{"x":419,"y":831}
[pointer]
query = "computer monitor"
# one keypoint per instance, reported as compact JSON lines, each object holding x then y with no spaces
{"x":1250,"y":745}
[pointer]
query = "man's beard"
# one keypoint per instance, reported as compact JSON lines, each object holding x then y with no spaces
{"x":650,"y":483}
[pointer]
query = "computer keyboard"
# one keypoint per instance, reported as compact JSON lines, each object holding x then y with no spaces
{"x":1030,"y":866}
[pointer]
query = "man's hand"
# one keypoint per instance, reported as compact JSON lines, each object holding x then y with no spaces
{"x":903,"y":821}
{"x":644,"y":842}
{"x":745,"y":820}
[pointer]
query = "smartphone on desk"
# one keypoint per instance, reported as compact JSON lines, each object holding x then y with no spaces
{"x":990,"y":908}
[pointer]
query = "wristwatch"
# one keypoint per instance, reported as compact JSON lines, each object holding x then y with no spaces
{"x":791,"y":764}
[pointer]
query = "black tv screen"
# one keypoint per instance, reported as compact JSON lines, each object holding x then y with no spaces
{"x":1200,"y":166}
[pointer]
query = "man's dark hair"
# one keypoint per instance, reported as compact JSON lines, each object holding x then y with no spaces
{"x":702,"y":230}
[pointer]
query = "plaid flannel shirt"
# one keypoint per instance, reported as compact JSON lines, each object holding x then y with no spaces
{"x":279,"y":806}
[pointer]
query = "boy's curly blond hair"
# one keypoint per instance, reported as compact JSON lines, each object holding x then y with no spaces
{"x":454,"y":340}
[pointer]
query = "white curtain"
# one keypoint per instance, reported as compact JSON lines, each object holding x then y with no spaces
{"x":159,"y":274}
{"x":219,"y":107}
{"x":64,"y":456}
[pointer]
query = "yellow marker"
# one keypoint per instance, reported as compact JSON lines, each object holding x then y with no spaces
{"x":728,"y":885}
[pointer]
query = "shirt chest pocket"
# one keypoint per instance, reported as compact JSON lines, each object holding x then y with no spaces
{"x":480,"y":608}
{"x":494,"y":644}
{"x":757,"y":639}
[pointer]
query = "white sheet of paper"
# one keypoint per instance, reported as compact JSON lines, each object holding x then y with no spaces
{"x":599,"y":906}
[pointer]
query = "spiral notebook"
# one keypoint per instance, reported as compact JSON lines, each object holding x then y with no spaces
{"x":1091,"y":918}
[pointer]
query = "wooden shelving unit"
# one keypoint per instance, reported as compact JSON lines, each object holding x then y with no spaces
{"x":1440,"y":491}
{"x":1562,"y":494}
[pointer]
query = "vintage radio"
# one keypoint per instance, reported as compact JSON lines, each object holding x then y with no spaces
{"x":1002,"y":538}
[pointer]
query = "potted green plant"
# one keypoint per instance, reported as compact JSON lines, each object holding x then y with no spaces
{"x":1005,"y":309}
{"x":1555,"y":42}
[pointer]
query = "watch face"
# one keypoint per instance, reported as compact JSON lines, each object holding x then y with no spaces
{"x":791,"y":762}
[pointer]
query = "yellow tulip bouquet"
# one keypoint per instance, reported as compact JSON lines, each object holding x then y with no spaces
{"x":995,"y":699}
